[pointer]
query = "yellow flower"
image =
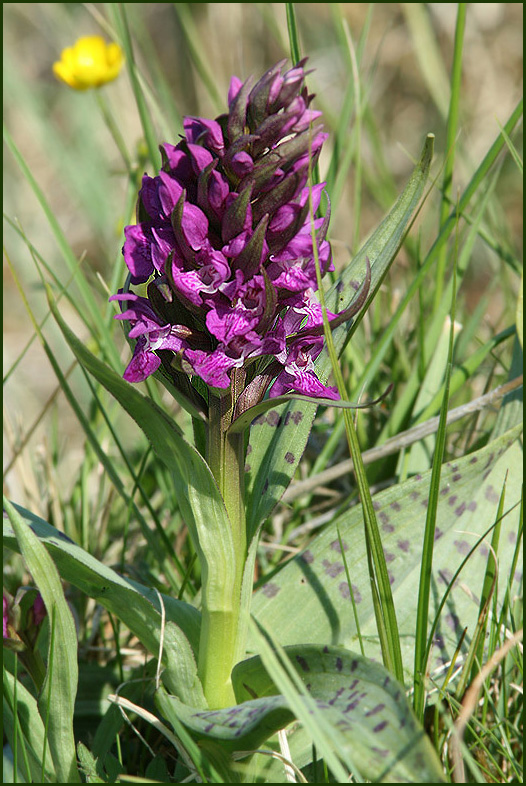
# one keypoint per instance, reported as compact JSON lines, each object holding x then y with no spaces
{"x":90,"y":62}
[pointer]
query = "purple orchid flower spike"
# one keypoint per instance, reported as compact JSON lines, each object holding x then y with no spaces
{"x":223,"y":236}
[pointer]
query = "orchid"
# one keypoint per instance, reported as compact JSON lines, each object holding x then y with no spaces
{"x":228,"y":251}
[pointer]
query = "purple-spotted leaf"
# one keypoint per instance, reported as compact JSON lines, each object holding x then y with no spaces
{"x":271,"y":461}
{"x":315,"y":586}
{"x":257,"y":411}
{"x":364,"y":708}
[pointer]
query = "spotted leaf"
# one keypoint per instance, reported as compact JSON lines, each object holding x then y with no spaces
{"x":359,"y":701}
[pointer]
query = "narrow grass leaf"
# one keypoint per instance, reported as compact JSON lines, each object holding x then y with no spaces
{"x":519,"y":314}
{"x":513,"y":150}
{"x":478,"y":644}
{"x":451,"y":139}
{"x":420,"y":456}
{"x":478,"y":179}
{"x":387,"y":625}
{"x":428,"y":53}
{"x":198,"y":53}
{"x":93,"y":308}
{"x":118,"y":14}
{"x":424,"y":584}
{"x":465,"y":371}
{"x":295,"y":51}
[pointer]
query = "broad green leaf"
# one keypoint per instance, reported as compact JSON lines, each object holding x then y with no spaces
{"x":136,"y":606}
{"x":309,"y":599}
{"x":277,"y":441}
{"x":31,"y":731}
{"x":57,"y":697}
{"x":363,"y":705}
{"x":197,"y":493}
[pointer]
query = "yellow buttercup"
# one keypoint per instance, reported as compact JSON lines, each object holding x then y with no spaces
{"x":90,"y":62}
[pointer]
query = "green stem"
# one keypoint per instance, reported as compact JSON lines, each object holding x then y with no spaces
{"x":221,"y":609}
{"x":114,"y":130}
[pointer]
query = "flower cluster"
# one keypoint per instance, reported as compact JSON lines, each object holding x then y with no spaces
{"x":223,"y":238}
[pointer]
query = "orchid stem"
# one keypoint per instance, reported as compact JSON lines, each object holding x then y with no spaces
{"x":221,"y":608}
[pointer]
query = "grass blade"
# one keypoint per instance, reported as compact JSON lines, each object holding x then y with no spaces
{"x":57,"y":698}
{"x":295,"y":51}
{"x":120,"y":21}
{"x":451,"y":136}
{"x":384,"y":609}
{"x":424,"y":585}
{"x":99,"y":331}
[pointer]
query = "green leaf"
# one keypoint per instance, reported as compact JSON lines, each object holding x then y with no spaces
{"x":57,"y":697}
{"x":309,"y":599}
{"x":136,"y":606}
{"x":271,"y":461}
{"x":197,"y":492}
{"x":88,"y":764}
{"x":31,"y":734}
{"x":363,"y":705}
{"x":246,"y":418}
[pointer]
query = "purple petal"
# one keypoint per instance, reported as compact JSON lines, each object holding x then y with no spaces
{"x":179,"y":165}
{"x":137,"y":252}
{"x":142,"y":364}
{"x":218,"y":190}
{"x":194,"y":224}
{"x":304,"y":382}
{"x":149,"y":195}
{"x":5,"y":617}
{"x":163,"y":245}
{"x":188,"y":283}
{"x":303,"y":311}
{"x":212,"y":367}
{"x":170,"y":191}
{"x":39,"y":610}
{"x":205,"y":132}
{"x":200,"y":157}
{"x":235,"y":86}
